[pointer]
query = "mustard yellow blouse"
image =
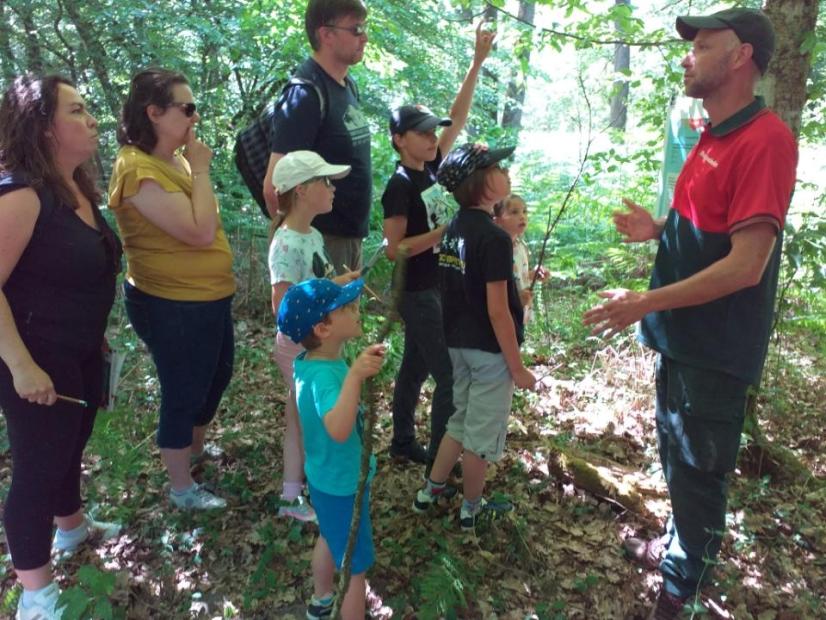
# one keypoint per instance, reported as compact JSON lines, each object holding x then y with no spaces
{"x":157,"y":263}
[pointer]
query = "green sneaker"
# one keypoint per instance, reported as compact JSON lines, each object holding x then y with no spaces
{"x":485,"y":511}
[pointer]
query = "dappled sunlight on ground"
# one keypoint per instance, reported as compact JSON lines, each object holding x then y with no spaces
{"x":557,"y":555}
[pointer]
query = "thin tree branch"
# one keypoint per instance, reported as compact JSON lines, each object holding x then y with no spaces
{"x":553,"y":223}
{"x":371,"y":400}
{"x":577,"y":37}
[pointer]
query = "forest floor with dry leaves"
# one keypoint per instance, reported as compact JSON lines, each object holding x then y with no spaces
{"x":557,"y":556}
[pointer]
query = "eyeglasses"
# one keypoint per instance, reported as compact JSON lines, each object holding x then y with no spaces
{"x":187,"y":108}
{"x":325,"y":180}
{"x":359,"y":30}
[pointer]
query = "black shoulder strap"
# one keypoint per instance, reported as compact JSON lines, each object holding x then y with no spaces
{"x":300,"y":81}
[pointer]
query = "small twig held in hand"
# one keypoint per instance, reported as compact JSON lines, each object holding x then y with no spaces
{"x":76,"y":401}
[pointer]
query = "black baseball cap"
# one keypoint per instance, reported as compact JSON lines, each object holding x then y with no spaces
{"x":750,"y":25}
{"x":463,"y":161}
{"x":415,"y":117}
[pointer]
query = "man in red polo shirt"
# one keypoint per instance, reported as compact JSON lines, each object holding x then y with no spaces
{"x":709,"y":308}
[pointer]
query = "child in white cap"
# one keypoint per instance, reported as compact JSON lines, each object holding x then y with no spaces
{"x":304,"y":182}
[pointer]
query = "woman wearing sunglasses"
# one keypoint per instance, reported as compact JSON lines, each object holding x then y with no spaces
{"x":179,"y":281}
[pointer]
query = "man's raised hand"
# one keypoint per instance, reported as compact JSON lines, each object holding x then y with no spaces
{"x":635,"y":225}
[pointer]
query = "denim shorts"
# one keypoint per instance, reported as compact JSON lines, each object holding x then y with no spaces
{"x":193,"y":347}
{"x":482,"y":395}
{"x":334,"y":514}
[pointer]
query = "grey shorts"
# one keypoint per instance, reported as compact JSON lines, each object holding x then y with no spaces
{"x":343,"y":251}
{"x":482,"y":396}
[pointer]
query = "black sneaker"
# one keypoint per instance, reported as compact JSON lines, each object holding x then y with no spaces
{"x":425,"y":499}
{"x":485,"y":510}
{"x":319,"y":609}
{"x":411,"y":452}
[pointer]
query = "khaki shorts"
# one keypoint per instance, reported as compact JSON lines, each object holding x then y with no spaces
{"x":482,"y":396}
{"x":343,"y":251}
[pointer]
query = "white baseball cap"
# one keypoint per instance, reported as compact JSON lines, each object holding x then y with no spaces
{"x":301,"y":166}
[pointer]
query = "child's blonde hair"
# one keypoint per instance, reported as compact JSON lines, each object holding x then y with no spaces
{"x":286,"y":201}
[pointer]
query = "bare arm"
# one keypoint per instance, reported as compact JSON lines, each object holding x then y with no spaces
{"x":340,"y":419}
{"x":279,"y":289}
{"x":193,"y":222}
{"x":741,"y":268}
{"x":461,"y":105}
{"x":18,"y":215}
{"x":394,"y":229}
{"x":270,"y":195}
{"x":502,"y":322}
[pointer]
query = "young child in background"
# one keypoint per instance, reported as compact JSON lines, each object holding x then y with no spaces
{"x":483,"y":329}
{"x":303,"y":181}
{"x":322,"y":316}
{"x":511,"y":215}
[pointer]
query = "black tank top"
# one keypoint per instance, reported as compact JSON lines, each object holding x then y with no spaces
{"x":63,"y":286}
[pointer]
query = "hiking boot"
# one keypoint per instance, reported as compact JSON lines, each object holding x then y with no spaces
{"x":647,"y":553}
{"x":298,"y":508}
{"x":66,"y":543}
{"x":668,"y":607}
{"x":411,"y":452}
{"x":425,"y":499}
{"x":197,"y":497}
{"x":320,"y":608}
{"x":485,"y":510}
{"x":42,"y":607}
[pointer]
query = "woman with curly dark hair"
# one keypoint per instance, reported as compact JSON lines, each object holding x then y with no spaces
{"x":179,"y":281}
{"x":58,"y":264}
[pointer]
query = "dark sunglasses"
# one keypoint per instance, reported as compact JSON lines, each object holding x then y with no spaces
{"x":325,"y":180}
{"x":357,"y":31}
{"x":187,"y":108}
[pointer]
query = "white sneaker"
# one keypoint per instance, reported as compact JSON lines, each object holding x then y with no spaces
{"x":100,"y":530}
{"x":197,"y":497}
{"x":43,"y":606}
{"x":298,"y":508}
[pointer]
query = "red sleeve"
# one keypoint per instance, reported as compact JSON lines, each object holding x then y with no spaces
{"x":765,"y":177}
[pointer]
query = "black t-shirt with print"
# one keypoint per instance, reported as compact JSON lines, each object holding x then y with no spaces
{"x":403,"y":196}
{"x":475,"y":251}
{"x":343,"y":138}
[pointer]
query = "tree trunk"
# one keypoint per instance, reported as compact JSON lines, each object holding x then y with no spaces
{"x":34,"y":54}
{"x":515,"y":95}
{"x":8,"y":64}
{"x":622,"y":63}
{"x":492,"y":111}
{"x":96,"y":54}
{"x":784,"y":86}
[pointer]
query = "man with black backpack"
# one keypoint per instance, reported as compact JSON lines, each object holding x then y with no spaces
{"x":320,"y":112}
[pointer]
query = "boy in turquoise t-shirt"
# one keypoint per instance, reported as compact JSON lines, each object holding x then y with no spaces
{"x":322,"y":316}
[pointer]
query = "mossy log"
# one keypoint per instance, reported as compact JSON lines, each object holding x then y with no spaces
{"x":762,"y":457}
{"x":605,"y":478}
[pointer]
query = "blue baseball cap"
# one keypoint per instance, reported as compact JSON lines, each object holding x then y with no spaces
{"x":305,"y":304}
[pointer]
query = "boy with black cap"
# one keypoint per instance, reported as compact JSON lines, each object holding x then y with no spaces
{"x":483,"y":329}
{"x":709,"y":308}
{"x":322,"y":316}
{"x":413,"y":132}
